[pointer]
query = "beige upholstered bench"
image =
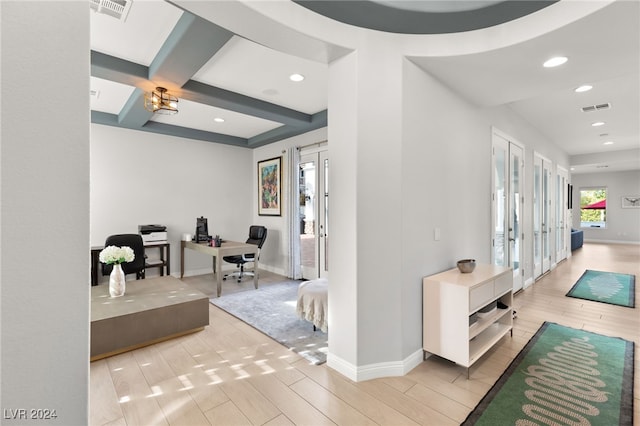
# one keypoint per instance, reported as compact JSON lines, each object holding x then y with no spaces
{"x":312,"y":303}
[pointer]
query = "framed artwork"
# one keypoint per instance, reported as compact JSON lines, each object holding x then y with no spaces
{"x":631,"y":201}
{"x":269,"y":184}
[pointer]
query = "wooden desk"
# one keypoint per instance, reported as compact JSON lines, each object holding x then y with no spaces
{"x":228,"y":248}
{"x":163,"y":263}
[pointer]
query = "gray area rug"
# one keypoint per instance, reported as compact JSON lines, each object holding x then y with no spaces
{"x":272,"y":310}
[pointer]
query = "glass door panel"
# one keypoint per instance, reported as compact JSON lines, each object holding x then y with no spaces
{"x":546,"y":217}
{"x":324,"y":222}
{"x":537,"y":216}
{"x":506,"y":216}
{"x":308,"y":203}
{"x":314,"y":214}
{"x":515,"y":213}
{"x":499,"y":204}
{"x":561,"y":217}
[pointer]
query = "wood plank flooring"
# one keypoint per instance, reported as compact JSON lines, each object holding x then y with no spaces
{"x":231,"y":374}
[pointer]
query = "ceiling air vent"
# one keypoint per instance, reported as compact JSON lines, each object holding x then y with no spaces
{"x":598,"y":107}
{"x":118,"y":9}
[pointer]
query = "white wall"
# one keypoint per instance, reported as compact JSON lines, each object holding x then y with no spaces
{"x":178,"y":180}
{"x":44,"y":233}
{"x":447,"y":185}
{"x":623,"y":225}
{"x":140,"y":178}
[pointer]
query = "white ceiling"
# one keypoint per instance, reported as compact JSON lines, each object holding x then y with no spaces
{"x":603,"y":51}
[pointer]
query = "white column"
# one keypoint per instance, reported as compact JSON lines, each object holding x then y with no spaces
{"x":365,"y":141}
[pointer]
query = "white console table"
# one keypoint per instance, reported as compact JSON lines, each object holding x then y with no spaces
{"x":451,"y":297}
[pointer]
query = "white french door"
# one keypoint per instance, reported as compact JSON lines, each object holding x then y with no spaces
{"x":537,"y":216}
{"x":546,"y":216}
{"x":314,"y":214}
{"x":562,"y":180}
{"x":507,"y":189}
{"x":542,"y":219}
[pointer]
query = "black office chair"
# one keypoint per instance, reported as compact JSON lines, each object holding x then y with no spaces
{"x":137,"y":245}
{"x":257,"y":236}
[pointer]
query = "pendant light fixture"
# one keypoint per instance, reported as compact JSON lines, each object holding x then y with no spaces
{"x":161,"y":101}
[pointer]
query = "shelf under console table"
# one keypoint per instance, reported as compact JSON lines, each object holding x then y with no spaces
{"x":451,"y":299}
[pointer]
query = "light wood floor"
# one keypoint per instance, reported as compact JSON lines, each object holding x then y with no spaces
{"x":231,"y":374}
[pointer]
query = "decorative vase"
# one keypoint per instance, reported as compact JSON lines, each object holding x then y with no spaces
{"x":116,"y":281}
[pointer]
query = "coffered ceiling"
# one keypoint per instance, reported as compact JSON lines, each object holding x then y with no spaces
{"x":214,"y":73}
{"x":219,"y":75}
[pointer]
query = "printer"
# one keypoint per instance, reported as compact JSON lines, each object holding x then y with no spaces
{"x":153,"y":233}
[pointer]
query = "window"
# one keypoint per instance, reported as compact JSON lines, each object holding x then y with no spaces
{"x":593,"y":207}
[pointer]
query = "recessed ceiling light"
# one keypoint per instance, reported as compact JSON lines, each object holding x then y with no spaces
{"x":598,"y":124}
{"x":608,"y":143}
{"x":296,"y":77}
{"x":572,"y":168}
{"x":583,"y":88}
{"x":218,"y":120}
{"x":556,"y":61}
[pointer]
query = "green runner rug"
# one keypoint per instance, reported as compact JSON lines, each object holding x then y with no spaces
{"x":606,"y":287}
{"x":563,"y":376}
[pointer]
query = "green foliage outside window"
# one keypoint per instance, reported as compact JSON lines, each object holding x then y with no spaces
{"x":589,"y":197}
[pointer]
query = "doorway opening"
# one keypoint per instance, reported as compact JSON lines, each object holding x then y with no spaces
{"x":562,"y":213}
{"x":542,"y":215}
{"x":313,"y":215}
{"x":507,"y":179}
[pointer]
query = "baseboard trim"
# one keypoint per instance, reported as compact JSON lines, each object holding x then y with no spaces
{"x":528,"y":283}
{"x":269,"y":268}
{"x":225,"y":268}
{"x":377,"y":370}
{"x":192,"y":272}
{"x":611,"y":241}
